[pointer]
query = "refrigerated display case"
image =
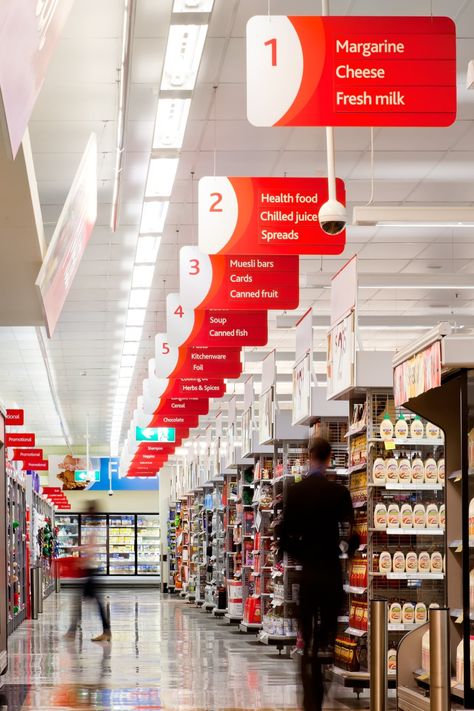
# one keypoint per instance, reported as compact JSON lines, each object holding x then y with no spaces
{"x":126,"y":544}
{"x":148,"y":544}
{"x":93,"y":532}
{"x":68,"y":535}
{"x":121,"y":544}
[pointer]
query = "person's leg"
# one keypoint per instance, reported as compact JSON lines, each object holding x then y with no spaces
{"x":76,"y":612}
{"x":93,"y":594}
{"x":307,"y":621}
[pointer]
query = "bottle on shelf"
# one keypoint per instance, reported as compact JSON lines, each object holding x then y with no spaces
{"x":401,"y":427}
{"x":386,"y":428}
{"x":417,"y":429}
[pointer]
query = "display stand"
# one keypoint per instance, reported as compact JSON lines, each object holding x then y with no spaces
{"x":43,"y":539}
{"x":172,"y":548}
{"x":18,"y":569}
{"x":442,"y":390}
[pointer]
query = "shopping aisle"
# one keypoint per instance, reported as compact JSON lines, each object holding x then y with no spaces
{"x":164,"y":655}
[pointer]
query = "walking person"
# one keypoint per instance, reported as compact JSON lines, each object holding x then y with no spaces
{"x":89,"y":590}
{"x":310,"y":532}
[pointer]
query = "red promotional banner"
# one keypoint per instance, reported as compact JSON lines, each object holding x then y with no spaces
{"x":351,"y":71}
{"x":214,"y":328}
{"x":266,"y":216}
{"x":15,"y":417}
{"x":20,"y":439}
{"x":223,"y":282}
{"x":37,"y":465}
{"x":27,"y":454}
{"x":171,"y":362}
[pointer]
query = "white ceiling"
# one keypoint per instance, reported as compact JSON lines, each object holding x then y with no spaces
{"x":412,"y":166}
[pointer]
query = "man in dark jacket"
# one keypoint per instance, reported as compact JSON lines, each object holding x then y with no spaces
{"x":310,"y":531}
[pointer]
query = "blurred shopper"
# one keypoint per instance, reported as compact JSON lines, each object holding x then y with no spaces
{"x":89,"y":590}
{"x":314,"y":515}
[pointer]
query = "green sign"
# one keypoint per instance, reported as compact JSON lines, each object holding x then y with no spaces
{"x":155,"y":434}
{"x":84,"y":476}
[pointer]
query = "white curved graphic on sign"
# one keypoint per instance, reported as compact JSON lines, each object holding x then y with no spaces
{"x":195,"y":276}
{"x":150,"y":404}
{"x":218,"y":213}
{"x":274,"y":68}
{"x":155,"y":387}
{"x":179,"y":320}
{"x":166,"y":356}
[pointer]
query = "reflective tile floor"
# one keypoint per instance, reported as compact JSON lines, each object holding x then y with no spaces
{"x":164,"y":655}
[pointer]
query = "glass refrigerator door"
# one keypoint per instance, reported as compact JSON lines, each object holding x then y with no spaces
{"x":94,"y":533}
{"x":121,"y":544}
{"x":68,"y":534}
{"x":148,"y":544}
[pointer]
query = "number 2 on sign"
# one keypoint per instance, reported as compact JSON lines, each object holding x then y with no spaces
{"x":273,"y":44}
{"x":217,"y":201}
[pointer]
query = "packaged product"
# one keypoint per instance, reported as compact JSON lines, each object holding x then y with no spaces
{"x":460,"y":662}
{"x":359,"y":616}
{"x":419,"y":516}
{"x":416,"y":428}
{"x":391,"y":468}
{"x":471,"y":522}
{"x":436,"y":562}
{"x":425,"y":652}
{"x":392,"y":661}
{"x":406,"y":516}
{"x":399,"y":563}
{"x":365,"y":618}
{"x":393,"y":516}
{"x":431,"y":471}
{"x":411,"y":562}
{"x":404,"y":470}
{"x":442,"y":516}
{"x":417,"y":470}
{"x":441,"y":470}
{"x":424,"y":562}
{"x":432,"y":516}
{"x":432,"y":431}
{"x":401,"y":427}
{"x":471,"y":589}
{"x":380,"y":516}
{"x":408,"y":613}
{"x":421,"y":613}
{"x":386,"y":428}
{"x":385,"y":562}
{"x":395,"y":613}
{"x":379,"y":471}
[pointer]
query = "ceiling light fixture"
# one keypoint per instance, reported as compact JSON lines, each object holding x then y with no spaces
{"x":161,"y":175}
{"x":170,"y":125}
{"x":413,"y":216}
{"x":142,"y":276}
{"x":153,"y":216}
{"x":193,"y":5}
{"x":183,"y":56}
{"x":147,"y":249}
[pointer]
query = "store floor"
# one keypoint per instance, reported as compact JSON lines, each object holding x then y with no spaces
{"x":164,"y":655}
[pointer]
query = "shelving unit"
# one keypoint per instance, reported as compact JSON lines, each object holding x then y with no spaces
{"x":215,"y":596}
{"x":18,"y":569}
{"x":148,"y":544}
{"x":43,"y":540}
{"x":68,"y":535}
{"x":122,"y":548}
{"x":171,"y":533}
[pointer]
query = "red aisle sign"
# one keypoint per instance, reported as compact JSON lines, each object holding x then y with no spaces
{"x":37,"y":465}
{"x":172,"y":362}
{"x":27,"y":454}
{"x":216,"y":328}
{"x":351,"y":71}
{"x":171,"y":406}
{"x":175,"y":420}
{"x":198,"y":387}
{"x":245,"y":283}
{"x":20,"y":439}
{"x":15,"y":417}
{"x":265,"y":216}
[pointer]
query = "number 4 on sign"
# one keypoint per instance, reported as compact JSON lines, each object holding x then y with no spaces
{"x":179,"y":320}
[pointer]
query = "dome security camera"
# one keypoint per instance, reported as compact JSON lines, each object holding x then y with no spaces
{"x":332,"y":217}
{"x":110,"y":492}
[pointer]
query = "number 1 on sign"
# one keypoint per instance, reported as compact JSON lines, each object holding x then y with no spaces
{"x":273,"y":44}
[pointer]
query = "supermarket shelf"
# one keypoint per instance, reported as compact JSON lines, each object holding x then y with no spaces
{"x":409,"y":531}
{"x":414,"y":576}
{"x":355,"y":632}
{"x":402,"y":627}
{"x":354,"y":590}
{"x":283,"y":640}
{"x":357,"y":680}
{"x":355,"y":430}
{"x":357,"y":468}
{"x":411,"y":442}
{"x":250,"y":627}
{"x":408,"y":486}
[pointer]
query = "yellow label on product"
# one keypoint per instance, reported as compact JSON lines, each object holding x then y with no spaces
{"x":459,"y":549}
{"x":389,"y":444}
{"x":459,"y":619}
{"x":423,"y":677}
{"x":458,"y":478}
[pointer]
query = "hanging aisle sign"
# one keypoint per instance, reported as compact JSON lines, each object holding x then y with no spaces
{"x":220,"y":328}
{"x":170,"y":406}
{"x":341,"y":357}
{"x":351,"y":71}
{"x":245,"y":283}
{"x":183,"y":387}
{"x":172,"y":362}
{"x":303,"y":371}
{"x":265,"y":216}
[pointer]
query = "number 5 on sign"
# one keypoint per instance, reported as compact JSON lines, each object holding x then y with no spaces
{"x":218,"y":213}
{"x":274,"y":68}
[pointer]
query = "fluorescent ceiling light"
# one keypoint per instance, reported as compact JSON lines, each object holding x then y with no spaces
{"x":147,"y":249}
{"x":153,"y":216}
{"x":133,"y":333}
{"x":139,"y":298}
{"x":130,"y":348}
{"x":142,"y":276}
{"x":419,"y":216}
{"x":136,"y":317}
{"x":161,"y":175}
{"x":128,"y":360}
{"x":193,"y":5}
{"x":171,"y":119}
{"x":183,"y":55}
